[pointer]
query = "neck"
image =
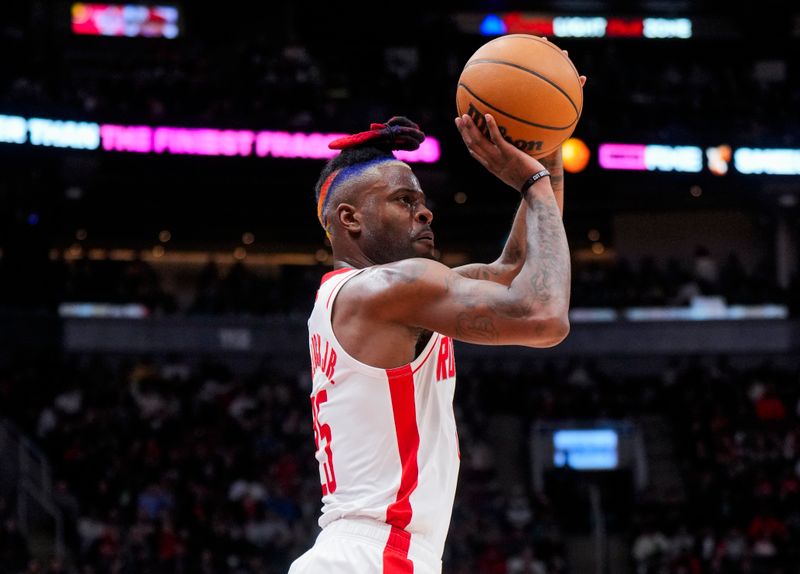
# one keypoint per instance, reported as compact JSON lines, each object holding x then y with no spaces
{"x":354,"y":261}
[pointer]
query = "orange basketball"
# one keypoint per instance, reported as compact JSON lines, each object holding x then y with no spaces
{"x":528,"y":85}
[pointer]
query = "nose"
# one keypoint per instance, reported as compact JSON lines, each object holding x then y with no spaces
{"x":424,"y":215}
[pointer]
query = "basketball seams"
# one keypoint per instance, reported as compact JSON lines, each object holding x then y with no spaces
{"x":498,"y":54}
{"x":543,"y":42}
{"x":551,"y":46}
{"x":515,"y":118}
{"x":532,"y":72}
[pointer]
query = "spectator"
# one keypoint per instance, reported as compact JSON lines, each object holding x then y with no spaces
{"x":649,"y":548}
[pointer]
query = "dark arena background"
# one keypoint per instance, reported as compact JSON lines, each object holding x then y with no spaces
{"x":160,"y":252}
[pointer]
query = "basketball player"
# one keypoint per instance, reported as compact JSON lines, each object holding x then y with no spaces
{"x":381,"y":340}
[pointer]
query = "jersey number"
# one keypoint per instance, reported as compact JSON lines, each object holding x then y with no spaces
{"x":323,"y":432}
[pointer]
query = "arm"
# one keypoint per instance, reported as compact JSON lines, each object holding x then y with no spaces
{"x":555,"y":165}
{"x":506,"y":267}
{"x":532,"y":310}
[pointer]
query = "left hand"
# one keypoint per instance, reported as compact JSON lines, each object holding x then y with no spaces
{"x":508,"y":163}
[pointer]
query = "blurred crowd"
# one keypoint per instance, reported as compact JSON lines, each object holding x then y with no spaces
{"x":696,"y":95}
{"x":738,"y":434}
{"x":736,"y":431}
{"x":170,"y":466}
{"x":295,"y":77}
{"x":244,"y":289}
{"x":622,"y":283}
{"x":163,"y":466}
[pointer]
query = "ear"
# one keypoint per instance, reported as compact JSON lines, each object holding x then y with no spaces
{"x":348,"y":217}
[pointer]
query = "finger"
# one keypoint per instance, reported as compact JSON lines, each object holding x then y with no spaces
{"x":460,"y":127}
{"x":477,"y":138}
{"x":494,"y":132}
{"x":463,"y":127}
{"x":583,"y":80}
{"x":474,"y":140}
{"x":465,"y":124}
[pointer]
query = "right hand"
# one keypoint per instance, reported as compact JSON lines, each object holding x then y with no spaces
{"x":510,"y":164}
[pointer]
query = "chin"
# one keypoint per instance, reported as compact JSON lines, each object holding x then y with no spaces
{"x":426,"y":251}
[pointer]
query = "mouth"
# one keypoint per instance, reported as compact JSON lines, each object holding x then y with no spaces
{"x":426,"y":235}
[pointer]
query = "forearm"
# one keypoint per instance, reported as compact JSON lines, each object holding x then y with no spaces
{"x":512,"y":167}
{"x":507,"y":266}
{"x":555,"y":166}
{"x":544,"y":279}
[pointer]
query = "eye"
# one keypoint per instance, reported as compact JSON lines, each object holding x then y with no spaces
{"x":406,"y":199}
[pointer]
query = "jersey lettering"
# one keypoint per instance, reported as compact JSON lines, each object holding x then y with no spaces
{"x":322,"y":432}
{"x":446,"y":360}
{"x":323,"y":357}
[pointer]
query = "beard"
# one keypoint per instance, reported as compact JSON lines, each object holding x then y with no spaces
{"x":381,"y":248}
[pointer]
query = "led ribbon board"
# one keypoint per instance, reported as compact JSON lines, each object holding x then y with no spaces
{"x":638,"y":157}
{"x":585,"y":26}
{"x":127,"y":20}
{"x":185,"y":141}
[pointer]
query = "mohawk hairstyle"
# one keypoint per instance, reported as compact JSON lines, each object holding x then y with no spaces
{"x":399,"y":133}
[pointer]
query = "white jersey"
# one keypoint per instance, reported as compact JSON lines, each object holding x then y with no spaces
{"x":386,"y":439}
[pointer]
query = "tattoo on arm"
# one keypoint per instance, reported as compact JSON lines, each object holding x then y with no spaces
{"x":556,"y":174}
{"x":556,"y":180}
{"x":508,"y":265}
{"x":549,"y":275}
{"x":474,"y":325}
{"x":479,"y":271}
{"x":514,"y":251}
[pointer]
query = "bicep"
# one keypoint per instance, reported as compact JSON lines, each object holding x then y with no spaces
{"x":475,"y":311}
{"x":494,"y":272}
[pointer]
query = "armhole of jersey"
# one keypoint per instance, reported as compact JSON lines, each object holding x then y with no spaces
{"x":330,"y":300}
{"x":339,"y":282}
{"x":364,"y":367}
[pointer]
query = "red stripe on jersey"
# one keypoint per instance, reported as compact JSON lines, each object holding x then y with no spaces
{"x":333,"y":273}
{"x":401,"y":389}
{"x":395,"y":554}
{"x":398,"y":513}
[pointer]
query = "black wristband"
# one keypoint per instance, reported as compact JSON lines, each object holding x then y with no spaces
{"x":533,"y":179}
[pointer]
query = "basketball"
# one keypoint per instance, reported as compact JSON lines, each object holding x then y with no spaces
{"x":530,"y":87}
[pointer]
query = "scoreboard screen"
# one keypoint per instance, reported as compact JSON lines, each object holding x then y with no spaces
{"x":126,"y":20}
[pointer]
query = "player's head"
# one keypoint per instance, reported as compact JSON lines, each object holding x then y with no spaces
{"x":370,"y":202}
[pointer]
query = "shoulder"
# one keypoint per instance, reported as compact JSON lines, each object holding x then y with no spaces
{"x":409,"y":278}
{"x":400,"y":275}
